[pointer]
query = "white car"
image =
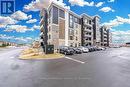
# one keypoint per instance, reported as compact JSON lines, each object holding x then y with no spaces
{"x":101,"y":48}
{"x":84,"y":49}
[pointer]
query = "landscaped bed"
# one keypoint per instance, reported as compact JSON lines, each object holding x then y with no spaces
{"x":32,"y":53}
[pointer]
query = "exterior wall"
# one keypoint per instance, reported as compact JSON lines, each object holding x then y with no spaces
{"x":64,"y":30}
{"x":56,"y":31}
{"x":87,"y":30}
{"x":104,"y":36}
{"x":76,"y":35}
{"x":53,"y":36}
{"x":110,"y":38}
{"x":96,"y":31}
{"x":59,"y":32}
{"x":66,"y":27}
{"x":74,"y":30}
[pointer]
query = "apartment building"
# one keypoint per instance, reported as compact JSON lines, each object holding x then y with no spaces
{"x":5,"y":43}
{"x":105,"y":38}
{"x":110,"y":38}
{"x":64,"y":28}
{"x":74,"y":33}
{"x":87,"y":30}
{"x":96,"y":31}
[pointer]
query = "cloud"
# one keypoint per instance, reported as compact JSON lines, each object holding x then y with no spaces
{"x":19,"y":15}
{"x":111,"y":0}
{"x":20,"y":40}
{"x":4,"y":36}
{"x":85,"y":3}
{"x":2,"y":26}
{"x":30,"y":16}
{"x":99,"y":4}
{"x":31,"y":21}
{"x":40,"y":4}
{"x":17,"y":28}
{"x":119,"y":36}
{"x":6,"y":20}
{"x":117,"y":21}
{"x":81,"y":3}
{"x":129,"y":15}
{"x":21,"y":28}
{"x":36,"y":27}
{"x":106,"y":9}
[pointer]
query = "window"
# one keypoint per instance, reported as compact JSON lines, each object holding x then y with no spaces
{"x":89,"y":21}
{"x":75,"y":44}
{"x":71,"y":23}
{"x":71,"y":37}
{"x":89,"y":38}
{"x":79,"y":44}
{"x":76,"y":38}
{"x":71,"y":44}
{"x":49,"y":36}
{"x":89,"y":33}
{"x":76,"y":25}
{"x":49,"y":16}
{"x":89,"y":44}
{"x":71,"y":31}
{"x":49,"y":13}
{"x":49,"y":28}
{"x":61,"y":13}
{"x":76,"y":32}
{"x":55,"y":15}
{"x":76,"y":20}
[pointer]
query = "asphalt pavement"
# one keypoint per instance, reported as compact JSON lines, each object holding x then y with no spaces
{"x":110,"y":68}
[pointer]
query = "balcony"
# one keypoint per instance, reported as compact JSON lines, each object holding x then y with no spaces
{"x":87,"y":35}
{"x":88,"y":30}
{"x":87,"y":24}
{"x":41,"y":21}
{"x":105,"y":36}
{"x":41,"y":28}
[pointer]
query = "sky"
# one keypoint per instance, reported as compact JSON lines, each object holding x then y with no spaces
{"x":23,"y":25}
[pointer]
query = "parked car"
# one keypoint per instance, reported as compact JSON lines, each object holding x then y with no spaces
{"x":116,"y":47}
{"x":84,"y":49}
{"x":66,"y":50}
{"x":95,"y":48}
{"x":89,"y":48}
{"x":77,"y":50}
{"x":100,"y":48}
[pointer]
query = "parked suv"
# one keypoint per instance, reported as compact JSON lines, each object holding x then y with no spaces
{"x":77,"y":50}
{"x":66,"y":50}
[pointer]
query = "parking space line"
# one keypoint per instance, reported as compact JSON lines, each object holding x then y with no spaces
{"x":74,"y":60}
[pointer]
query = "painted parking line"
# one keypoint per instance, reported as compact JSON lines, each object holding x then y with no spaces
{"x":74,"y":60}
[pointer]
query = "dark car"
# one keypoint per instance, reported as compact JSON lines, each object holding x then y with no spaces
{"x":66,"y":50}
{"x":77,"y":50}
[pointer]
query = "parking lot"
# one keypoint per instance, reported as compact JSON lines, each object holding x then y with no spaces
{"x":109,"y":68}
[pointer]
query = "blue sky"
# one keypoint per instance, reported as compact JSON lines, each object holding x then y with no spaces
{"x":23,"y":25}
